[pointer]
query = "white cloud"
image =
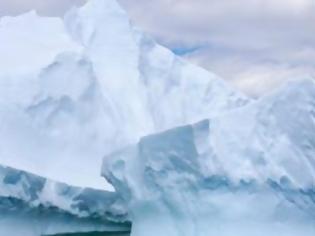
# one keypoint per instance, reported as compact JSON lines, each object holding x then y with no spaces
{"x":44,"y":7}
{"x":256,"y":72}
{"x":255,"y":44}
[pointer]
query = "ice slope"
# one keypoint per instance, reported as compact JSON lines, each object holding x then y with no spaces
{"x":34,"y":206}
{"x":249,"y":172}
{"x":74,"y":89}
{"x":275,"y":138}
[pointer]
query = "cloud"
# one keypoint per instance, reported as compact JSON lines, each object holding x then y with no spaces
{"x":258,"y":71}
{"x":44,"y":7}
{"x":255,"y":44}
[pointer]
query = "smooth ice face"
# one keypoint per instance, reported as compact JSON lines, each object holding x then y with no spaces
{"x":34,"y":206}
{"x":76,"y":89}
{"x":248,"y":172}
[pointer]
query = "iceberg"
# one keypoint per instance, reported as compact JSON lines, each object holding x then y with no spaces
{"x":246,"y":172}
{"x":31,"y":205}
{"x":75,"y":89}
{"x":186,"y":154}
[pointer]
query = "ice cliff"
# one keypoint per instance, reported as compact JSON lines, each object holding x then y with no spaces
{"x":247,"y":172}
{"x":74,"y":89}
{"x":31,"y":205}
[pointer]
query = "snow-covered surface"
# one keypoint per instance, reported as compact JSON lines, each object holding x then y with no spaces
{"x":74,"y":89}
{"x":33,"y":206}
{"x":249,"y":172}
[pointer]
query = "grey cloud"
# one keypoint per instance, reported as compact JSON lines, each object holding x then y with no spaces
{"x":256,"y":73}
{"x":255,"y":44}
{"x":43,"y":7}
{"x":182,"y":20}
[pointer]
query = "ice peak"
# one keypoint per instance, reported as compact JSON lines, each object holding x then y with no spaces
{"x":94,"y":84}
{"x":30,"y":34}
{"x":98,"y":12}
{"x":100,"y":6}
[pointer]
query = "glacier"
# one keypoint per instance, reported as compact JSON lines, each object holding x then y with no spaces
{"x":247,"y":172}
{"x":105,"y":131}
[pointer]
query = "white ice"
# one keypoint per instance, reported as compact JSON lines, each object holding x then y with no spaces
{"x":248,"y":172}
{"x":31,"y":205}
{"x":75,"y":89}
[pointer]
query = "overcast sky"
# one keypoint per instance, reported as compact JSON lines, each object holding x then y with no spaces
{"x":255,"y":44}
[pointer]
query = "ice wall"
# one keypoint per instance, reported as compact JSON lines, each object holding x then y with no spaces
{"x":74,"y":89}
{"x":34,"y":206}
{"x":247,"y":172}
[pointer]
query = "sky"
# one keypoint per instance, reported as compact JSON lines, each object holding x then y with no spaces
{"x":256,"y":45}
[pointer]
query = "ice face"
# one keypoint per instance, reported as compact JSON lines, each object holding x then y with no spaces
{"x":247,"y":172}
{"x":76,"y":89}
{"x":34,"y":206}
{"x":274,"y":137}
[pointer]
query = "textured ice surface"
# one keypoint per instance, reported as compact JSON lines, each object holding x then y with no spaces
{"x":249,"y":172}
{"x":73,"y":90}
{"x":33,"y":206}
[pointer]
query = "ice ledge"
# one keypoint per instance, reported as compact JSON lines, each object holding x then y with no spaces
{"x":55,"y":207}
